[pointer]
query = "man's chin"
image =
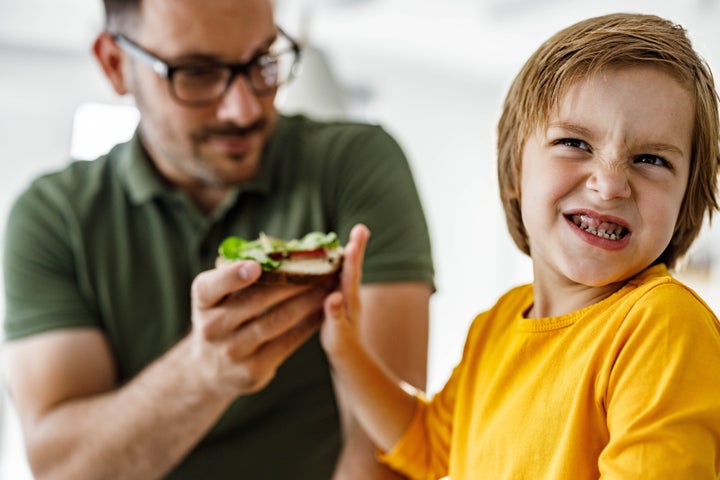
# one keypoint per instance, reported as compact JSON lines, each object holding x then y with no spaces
{"x":236,"y":170}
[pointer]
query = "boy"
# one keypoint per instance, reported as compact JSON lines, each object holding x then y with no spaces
{"x":606,"y":366}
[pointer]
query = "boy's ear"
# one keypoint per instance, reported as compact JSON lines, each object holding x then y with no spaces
{"x":110,"y":58}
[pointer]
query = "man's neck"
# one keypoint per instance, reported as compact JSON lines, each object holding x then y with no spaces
{"x":207,"y":199}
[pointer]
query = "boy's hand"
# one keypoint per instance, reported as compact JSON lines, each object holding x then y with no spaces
{"x":339,"y":332}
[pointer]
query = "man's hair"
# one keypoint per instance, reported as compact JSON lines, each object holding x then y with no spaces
{"x":584,"y":49}
{"x":121,"y":15}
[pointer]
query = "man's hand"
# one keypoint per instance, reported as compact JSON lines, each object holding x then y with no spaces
{"x":64,"y":382}
{"x":243,"y":332}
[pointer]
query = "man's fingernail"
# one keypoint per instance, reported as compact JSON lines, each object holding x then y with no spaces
{"x":245,"y":271}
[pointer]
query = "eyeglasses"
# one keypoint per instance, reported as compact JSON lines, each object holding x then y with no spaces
{"x":204,"y":83}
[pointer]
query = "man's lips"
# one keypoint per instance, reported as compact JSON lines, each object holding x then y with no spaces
{"x":233,"y":139}
{"x":232,"y":144}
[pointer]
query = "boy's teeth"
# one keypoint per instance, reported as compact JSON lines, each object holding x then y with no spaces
{"x":610,"y":231}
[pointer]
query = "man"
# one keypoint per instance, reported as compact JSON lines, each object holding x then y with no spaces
{"x":129,"y":356}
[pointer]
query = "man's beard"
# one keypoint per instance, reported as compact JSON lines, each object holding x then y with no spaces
{"x":202,"y":165}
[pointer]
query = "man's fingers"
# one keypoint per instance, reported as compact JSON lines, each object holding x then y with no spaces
{"x":274,"y":323}
{"x":277,"y":350}
{"x":225,"y":298}
{"x":212,"y":286}
{"x":259,"y":369}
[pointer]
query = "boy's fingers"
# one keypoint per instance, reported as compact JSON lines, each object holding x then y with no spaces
{"x":352,"y":266}
{"x":334,"y":306}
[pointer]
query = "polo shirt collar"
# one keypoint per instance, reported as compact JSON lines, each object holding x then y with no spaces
{"x":136,"y":172}
{"x":143,"y":182}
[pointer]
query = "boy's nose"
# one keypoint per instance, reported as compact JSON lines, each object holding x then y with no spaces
{"x":609,"y":181}
{"x":240,"y":104}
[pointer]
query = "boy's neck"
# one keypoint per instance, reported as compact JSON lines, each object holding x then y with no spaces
{"x":553,"y":300}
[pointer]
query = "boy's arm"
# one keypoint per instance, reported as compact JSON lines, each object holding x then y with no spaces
{"x":395,"y":329}
{"x":378,"y":400}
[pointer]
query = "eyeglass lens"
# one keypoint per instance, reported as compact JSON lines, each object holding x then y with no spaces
{"x":201,"y":83}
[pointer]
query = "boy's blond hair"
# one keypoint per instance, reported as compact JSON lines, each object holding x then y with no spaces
{"x":586,"y":48}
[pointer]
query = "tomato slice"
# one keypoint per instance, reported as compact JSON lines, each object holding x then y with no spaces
{"x":316,"y":253}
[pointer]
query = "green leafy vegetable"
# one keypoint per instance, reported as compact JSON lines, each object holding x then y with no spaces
{"x":313,"y":241}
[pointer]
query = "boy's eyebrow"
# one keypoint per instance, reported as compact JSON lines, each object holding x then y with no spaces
{"x":665,"y":147}
{"x":585,"y":132}
{"x":572,"y":127}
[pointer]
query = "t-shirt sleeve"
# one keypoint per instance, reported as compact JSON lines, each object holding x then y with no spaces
{"x":423,"y":450}
{"x":375,"y":186}
{"x":41,"y":277}
{"x":663,"y":395}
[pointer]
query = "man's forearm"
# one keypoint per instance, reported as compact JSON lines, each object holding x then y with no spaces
{"x":140,"y":430}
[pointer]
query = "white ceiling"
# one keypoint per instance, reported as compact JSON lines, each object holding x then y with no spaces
{"x":493,"y":28}
{"x":67,"y":25}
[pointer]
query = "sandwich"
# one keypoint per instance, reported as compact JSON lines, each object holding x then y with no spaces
{"x":316,"y":258}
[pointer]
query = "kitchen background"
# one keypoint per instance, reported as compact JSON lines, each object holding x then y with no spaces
{"x":433,"y":73}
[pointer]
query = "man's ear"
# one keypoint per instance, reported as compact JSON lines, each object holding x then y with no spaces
{"x":110,"y":58}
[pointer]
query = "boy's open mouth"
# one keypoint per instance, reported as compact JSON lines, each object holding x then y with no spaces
{"x":607,"y":230}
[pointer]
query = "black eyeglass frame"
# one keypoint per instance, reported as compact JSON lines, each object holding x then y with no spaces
{"x":168,"y":70}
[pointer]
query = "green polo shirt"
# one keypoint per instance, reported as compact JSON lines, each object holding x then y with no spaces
{"x":107,"y":244}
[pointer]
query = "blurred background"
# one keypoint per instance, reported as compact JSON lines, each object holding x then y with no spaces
{"x":433,"y":73}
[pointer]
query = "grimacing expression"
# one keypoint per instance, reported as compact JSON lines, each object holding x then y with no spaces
{"x":602,"y":186}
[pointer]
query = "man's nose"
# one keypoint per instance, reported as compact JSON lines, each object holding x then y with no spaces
{"x":240,"y":104}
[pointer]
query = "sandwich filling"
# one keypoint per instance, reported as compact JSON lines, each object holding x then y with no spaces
{"x":315,"y":252}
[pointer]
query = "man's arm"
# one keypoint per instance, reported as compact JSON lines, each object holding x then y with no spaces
{"x":78,"y":423}
{"x":394,"y":328}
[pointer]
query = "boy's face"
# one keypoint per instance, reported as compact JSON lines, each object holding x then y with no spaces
{"x":602,"y":186}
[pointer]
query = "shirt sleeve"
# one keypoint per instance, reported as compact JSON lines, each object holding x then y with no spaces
{"x":41,"y":279}
{"x":663,"y":392}
{"x":423,"y":450}
{"x":375,"y":186}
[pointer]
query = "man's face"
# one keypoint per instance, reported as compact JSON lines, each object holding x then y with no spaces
{"x":212,"y":146}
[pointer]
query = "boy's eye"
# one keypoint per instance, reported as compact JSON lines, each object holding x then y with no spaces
{"x":574,"y":143}
{"x":653,"y":160}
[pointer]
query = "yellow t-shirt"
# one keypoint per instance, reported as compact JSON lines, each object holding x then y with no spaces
{"x":627,"y":388}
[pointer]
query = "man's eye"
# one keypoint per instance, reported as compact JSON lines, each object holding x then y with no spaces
{"x":574,"y":143}
{"x":653,"y":160}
